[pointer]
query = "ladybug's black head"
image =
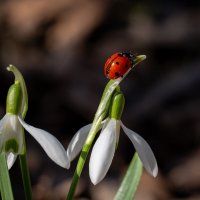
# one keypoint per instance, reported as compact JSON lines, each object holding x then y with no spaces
{"x":128,"y":54}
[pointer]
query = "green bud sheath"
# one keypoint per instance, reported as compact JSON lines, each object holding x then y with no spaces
{"x":117,"y":106}
{"x":14,"y":99}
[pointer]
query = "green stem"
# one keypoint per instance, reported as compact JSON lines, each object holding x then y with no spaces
{"x":5,"y":184}
{"x":25,"y":174}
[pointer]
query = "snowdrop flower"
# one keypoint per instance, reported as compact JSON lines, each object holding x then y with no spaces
{"x":105,"y":146}
{"x":12,"y":132}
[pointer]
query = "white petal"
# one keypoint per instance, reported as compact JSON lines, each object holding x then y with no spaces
{"x":2,"y":122}
{"x":49,"y":143}
{"x":77,"y":142}
{"x":144,"y":151}
{"x":103,"y":152}
{"x":11,"y":157}
{"x":11,"y":131}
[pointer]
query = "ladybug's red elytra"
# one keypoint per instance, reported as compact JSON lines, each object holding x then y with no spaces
{"x":118,"y":64}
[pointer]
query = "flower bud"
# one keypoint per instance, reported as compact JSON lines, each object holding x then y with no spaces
{"x":14,"y":99}
{"x":117,"y":106}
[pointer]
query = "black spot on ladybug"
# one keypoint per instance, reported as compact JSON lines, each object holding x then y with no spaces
{"x":117,"y":63}
{"x":117,"y":74}
{"x":127,"y":66}
{"x":120,"y":54}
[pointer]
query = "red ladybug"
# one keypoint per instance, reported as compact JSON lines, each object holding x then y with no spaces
{"x":118,"y":64}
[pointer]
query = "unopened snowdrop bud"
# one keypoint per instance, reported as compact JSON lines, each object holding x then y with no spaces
{"x":24,"y":101}
{"x":117,"y":106}
{"x":14,"y":99}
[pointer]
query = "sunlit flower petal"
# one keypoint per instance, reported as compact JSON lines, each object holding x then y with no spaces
{"x":144,"y":151}
{"x":103,"y":152}
{"x":11,"y":157}
{"x":49,"y":143}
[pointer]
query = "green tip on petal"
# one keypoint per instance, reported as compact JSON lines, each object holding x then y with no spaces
{"x":11,"y":145}
{"x":19,"y":78}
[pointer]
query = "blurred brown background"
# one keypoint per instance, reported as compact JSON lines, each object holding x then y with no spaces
{"x":61,"y":46}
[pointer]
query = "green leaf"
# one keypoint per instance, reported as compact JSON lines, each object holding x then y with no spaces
{"x":131,"y":180}
{"x":5,"y":185}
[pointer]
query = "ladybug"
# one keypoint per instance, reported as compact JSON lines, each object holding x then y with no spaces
{"x":118,"y":64}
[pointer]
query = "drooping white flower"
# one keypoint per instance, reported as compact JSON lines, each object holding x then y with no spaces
{"x":12,"y":127}
{"x":104,"y":149}
{"x":12,"y":140}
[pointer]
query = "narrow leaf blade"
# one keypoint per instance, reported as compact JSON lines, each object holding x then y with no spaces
{"x":6,"y":189}
{"x":131,"y":180}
